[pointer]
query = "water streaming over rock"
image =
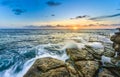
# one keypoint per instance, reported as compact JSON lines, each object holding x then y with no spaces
{"x":20,"y":48}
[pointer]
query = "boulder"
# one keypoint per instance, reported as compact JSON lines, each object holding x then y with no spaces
{"x":109,"y":54}
{"x":72,"y":71}
{"x":79,"y":54}
{"x":117,"y":39}
{"x":113,"y":37}
{"x":115,"y":60}
{"x":93,"y":52}
{"x":50,"y":67}
{"x":105,"y":73}
{"x":43,"y":65}
{"x":96,"y":48}
{"x":110,"y":72}
{"x":116,"y":46}
{"x":88,"y":68}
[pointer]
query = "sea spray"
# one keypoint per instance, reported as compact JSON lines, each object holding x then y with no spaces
{"x":70,"y":44}
{"x":13,"y":41}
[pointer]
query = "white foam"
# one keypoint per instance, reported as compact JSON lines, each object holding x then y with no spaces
{"x":116,"y":54}
{"x":105,"y":59}
{"x":41,"y":53}
{"x":70,"y":44}
{"x":96,"y":45}
{"x":80,"y":45}
{"x":79,"y":38}
{"x":104,"y":39}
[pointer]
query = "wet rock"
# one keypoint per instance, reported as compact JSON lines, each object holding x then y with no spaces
{"x":113,"y":71}
{"x":72,"y":71}
{"x":109,"y":53}
{"x":88,"y":68}
{"x":110,"y":70}
{"x":117,"y":39}
{"x":113,"y":38}
{"x":96,"y":49}
{"x":115,"y":60}
{"x":93,"y":52}
{"x":99,"y":51}
{"x":79,"y":54}
{"x":108,"y":50}
{"x":105,"y":73}
{"x":116,"y":46}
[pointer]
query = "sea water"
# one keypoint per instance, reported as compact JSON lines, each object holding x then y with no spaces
{"x":19,"y":48}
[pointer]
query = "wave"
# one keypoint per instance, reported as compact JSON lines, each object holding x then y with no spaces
{"x":19,"y":52}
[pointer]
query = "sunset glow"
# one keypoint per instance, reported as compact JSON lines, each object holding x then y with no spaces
{"x":66,"y":12}
{"x":75,"y":27}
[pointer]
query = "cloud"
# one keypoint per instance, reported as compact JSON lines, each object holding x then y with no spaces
{"x":52,"y":3}
{"x":53,"y":15}
{"x":84,"y":16}
{"x":104,"y":17}
{"x":79,"y":17}
{"x":18,"y":11}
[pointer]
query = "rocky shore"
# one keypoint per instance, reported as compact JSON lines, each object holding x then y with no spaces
{"x":84,"y":62}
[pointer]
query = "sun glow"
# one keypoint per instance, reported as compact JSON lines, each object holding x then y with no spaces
{"x":75,"y":28}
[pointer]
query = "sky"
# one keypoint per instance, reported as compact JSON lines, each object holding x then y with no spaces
{"x":78,"y":13}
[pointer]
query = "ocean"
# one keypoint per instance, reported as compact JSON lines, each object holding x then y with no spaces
{"x":19,"y":48}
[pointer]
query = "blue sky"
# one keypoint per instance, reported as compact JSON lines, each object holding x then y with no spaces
{"x":18,"y":13}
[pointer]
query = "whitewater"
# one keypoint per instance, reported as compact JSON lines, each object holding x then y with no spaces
{"x":19,"y":48}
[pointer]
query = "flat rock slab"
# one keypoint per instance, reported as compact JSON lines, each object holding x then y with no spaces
{"x":46,"y":64}
{"x":77,"y":54}
{"x":43,"y":65}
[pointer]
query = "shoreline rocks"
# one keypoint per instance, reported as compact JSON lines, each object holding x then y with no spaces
{"x":84,"y":62}
{"x":116,"y":42}
{"x":81,"y":63}
{"x":50,"y":67}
